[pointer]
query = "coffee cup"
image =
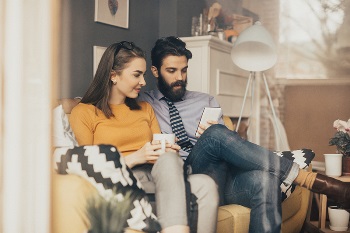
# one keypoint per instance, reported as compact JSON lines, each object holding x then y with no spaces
{"x":164,"y":138}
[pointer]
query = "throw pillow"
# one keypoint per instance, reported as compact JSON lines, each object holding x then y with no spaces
{"x":106,"y":170}
{"x":63,"y":135}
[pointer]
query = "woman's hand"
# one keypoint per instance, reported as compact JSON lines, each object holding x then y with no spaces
{"x":147,"y":153}
{"x":168,"y":147}
{"x":172,"y":148}
{"x":202,"y":128}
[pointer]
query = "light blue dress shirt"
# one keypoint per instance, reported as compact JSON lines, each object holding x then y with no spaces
{"x":190,"y":110}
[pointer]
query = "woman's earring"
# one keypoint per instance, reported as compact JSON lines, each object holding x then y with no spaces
{"x":114,"y":81}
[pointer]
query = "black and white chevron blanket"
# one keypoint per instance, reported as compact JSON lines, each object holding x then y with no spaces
{"x":301,"y":157}
{"x":106,"y":170}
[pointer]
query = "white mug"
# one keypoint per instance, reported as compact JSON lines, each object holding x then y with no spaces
{"x":164,"y":138}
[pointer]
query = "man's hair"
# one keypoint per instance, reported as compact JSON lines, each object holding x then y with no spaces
{"x":168,"y":46}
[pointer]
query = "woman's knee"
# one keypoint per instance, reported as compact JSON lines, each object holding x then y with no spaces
{"x":205,"y":189}
{"x":168,"y":163}
{"x":169,"y":159}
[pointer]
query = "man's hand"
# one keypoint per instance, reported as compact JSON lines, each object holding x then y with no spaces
{"x":202,"y":127}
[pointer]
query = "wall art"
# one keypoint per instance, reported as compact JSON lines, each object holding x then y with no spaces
{"x":113,"y":12}
{"x":98,"y":52}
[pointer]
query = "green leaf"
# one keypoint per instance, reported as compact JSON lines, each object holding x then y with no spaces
{"x":108,"y":216}
{"x":342,"y":141}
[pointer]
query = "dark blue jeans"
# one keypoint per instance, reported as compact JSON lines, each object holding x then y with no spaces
{"x":246,"y":174}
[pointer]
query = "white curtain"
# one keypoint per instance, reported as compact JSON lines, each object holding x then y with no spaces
{"x":26,"y":55}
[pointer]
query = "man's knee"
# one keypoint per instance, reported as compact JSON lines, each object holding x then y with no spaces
{"x":218,"y":131}
{"x":215,"y":129}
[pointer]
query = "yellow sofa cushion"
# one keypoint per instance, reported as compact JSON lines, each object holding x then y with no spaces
{"x":292,"y":204}
{"x":233,"y":218}
{"x":299,"y":201}
{"x":70,"y":193}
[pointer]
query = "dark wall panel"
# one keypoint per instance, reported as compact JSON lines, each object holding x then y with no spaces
{"x":80,"y":33}
{"x":186,"y":10}
{"x":148,"y":20}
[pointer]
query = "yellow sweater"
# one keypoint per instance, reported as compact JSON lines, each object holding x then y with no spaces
{"x":129,"y":130}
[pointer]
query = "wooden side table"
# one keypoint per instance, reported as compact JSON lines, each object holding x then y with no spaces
{"x":323,"y":204}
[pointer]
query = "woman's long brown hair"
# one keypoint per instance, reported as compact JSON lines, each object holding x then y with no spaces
{"x":100,"y":89}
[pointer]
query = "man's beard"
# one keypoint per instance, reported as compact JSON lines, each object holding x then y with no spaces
{"x":168,"y":90}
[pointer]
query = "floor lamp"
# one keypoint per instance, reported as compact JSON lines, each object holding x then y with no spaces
{"x":255,"y":51}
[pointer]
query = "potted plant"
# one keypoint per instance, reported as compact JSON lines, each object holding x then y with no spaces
{"x":116,"y":212}
{"x":341,"y":140}
{"x":108,"y":215}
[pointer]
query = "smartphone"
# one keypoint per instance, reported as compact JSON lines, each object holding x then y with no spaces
{"x":209,"y":113}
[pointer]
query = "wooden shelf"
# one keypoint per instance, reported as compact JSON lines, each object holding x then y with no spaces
{"x":313,"y":228}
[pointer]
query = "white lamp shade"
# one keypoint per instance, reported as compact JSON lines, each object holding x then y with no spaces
{"x":254,"y":49}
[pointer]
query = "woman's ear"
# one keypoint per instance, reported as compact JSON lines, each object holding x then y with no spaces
{"x":154,"y":71}
{"x":113,"y":77}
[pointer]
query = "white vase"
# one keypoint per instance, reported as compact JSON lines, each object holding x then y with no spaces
{"x":333,"y":163}
{"x":338,"y":218}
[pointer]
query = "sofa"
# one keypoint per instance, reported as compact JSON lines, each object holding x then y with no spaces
{"x":70,"y":193}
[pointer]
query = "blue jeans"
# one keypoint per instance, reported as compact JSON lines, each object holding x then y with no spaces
{"x":259,"y":191}
{"x":246,"y":174}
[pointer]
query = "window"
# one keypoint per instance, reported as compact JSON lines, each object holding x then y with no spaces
{"x":313,"y":39}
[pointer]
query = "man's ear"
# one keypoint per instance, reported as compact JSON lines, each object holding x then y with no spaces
{"x":154,"y":71}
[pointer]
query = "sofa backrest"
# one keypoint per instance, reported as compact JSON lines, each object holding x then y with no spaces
{"x":68,"y":104}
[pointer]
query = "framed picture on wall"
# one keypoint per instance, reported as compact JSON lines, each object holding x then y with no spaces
{"x":98,"y":52}
{"x":113,"y":12}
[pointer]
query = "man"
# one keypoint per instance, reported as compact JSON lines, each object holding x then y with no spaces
{"x":245,"y":173}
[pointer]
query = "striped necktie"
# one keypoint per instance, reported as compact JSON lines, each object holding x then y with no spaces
{"x":178,"y":127}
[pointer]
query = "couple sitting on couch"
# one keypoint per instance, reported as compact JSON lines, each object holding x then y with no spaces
{"x":242,"y":172}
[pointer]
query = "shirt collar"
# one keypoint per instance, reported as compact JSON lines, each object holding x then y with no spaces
{"x":159,"y":95}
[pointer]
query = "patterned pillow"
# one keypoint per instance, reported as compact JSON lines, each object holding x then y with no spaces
{"x":301,"y":157}
{"x":106,"y":170}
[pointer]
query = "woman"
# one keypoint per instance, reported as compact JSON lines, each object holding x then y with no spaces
{"x":109,"y":114}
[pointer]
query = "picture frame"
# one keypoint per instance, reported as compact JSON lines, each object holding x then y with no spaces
{"x":97,"y":55}
{"x":112,"y":12}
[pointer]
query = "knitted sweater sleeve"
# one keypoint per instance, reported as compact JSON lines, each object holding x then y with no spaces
{"x":81,"y":121}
